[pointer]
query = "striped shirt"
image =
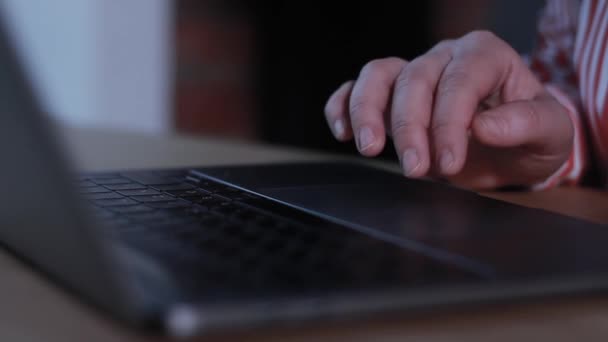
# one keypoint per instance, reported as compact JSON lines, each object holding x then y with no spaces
{"x":571,"y":59}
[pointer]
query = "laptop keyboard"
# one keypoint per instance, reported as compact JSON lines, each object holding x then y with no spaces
{"x":210,"y":235}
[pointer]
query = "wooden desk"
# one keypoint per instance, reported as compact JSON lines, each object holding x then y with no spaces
{"x":32,"y":309}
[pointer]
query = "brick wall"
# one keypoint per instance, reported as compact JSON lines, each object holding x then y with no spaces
{"x":214,"y":69}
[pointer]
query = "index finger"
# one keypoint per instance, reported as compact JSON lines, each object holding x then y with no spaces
{"x":369,"y":101}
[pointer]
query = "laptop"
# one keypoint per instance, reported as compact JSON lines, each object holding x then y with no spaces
{"x":199,"y":250}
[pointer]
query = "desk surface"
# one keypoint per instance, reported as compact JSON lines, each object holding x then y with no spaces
{"x":32,"y":309}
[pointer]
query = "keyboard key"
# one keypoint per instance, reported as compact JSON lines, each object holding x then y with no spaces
{"x":172,"y":173}
{"x":229,"y":192}
{"x":115,"y":202}
{"x":120,"y":187}
{"x":130,"y":209}
{"x":188,"y":193}
{"x":221,"y":197}
{"x":173,"y":187}
{"x":242,"y":196}
{"x":103,"y":195}
{"x":157,"y":173}
{"x":110,"y":181}
{"x":206,"y":200}
{"x":152,"y":179}
{"x":153,"y":198}
{"x":211,"y":186}
{"x":139,"y":192}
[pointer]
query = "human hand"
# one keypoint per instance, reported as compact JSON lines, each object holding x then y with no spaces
{"x":469,"y":110}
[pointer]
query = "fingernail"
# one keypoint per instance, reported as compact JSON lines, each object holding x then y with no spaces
{"x":339,"y":128}
{"x":410,"y":161}
{"x":446,"y":160}
{"x":366,"y":138}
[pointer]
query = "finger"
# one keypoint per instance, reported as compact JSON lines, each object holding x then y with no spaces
{"x":412,"y":106}
{"x":368,"y":103}
{"x":472,"y":75}
{"x":541,"y":123}
{"x":482,"y":171}
{"x":336,"y":112}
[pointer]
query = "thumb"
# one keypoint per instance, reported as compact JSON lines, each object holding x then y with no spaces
{"x":541,"y":123}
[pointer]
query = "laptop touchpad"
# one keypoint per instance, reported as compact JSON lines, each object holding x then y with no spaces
{"x":390,"y":208}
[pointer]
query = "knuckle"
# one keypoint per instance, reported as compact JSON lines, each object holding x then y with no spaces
{"x":359,"y":106}
{"x":439,"y":128}
{"x":480,"y":36}
{"x":381,"y":65}
{"x":394,"y":60}
{"x":447,"y":130}
{"x":372,"y":66}
{"x":402,"y":127}
{"x":453,"y":80}
{"x":444,"y":44}
{"x":415,"y":74}
{"x":483,"y":44}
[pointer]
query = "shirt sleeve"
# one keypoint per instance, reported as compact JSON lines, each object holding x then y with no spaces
{"x":571,"y":172}
{"x":553,"y":62}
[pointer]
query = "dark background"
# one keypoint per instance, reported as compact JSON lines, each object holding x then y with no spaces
{"x":307,"y":49}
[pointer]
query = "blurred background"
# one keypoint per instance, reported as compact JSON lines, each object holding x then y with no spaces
{"x":255,"y":70}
